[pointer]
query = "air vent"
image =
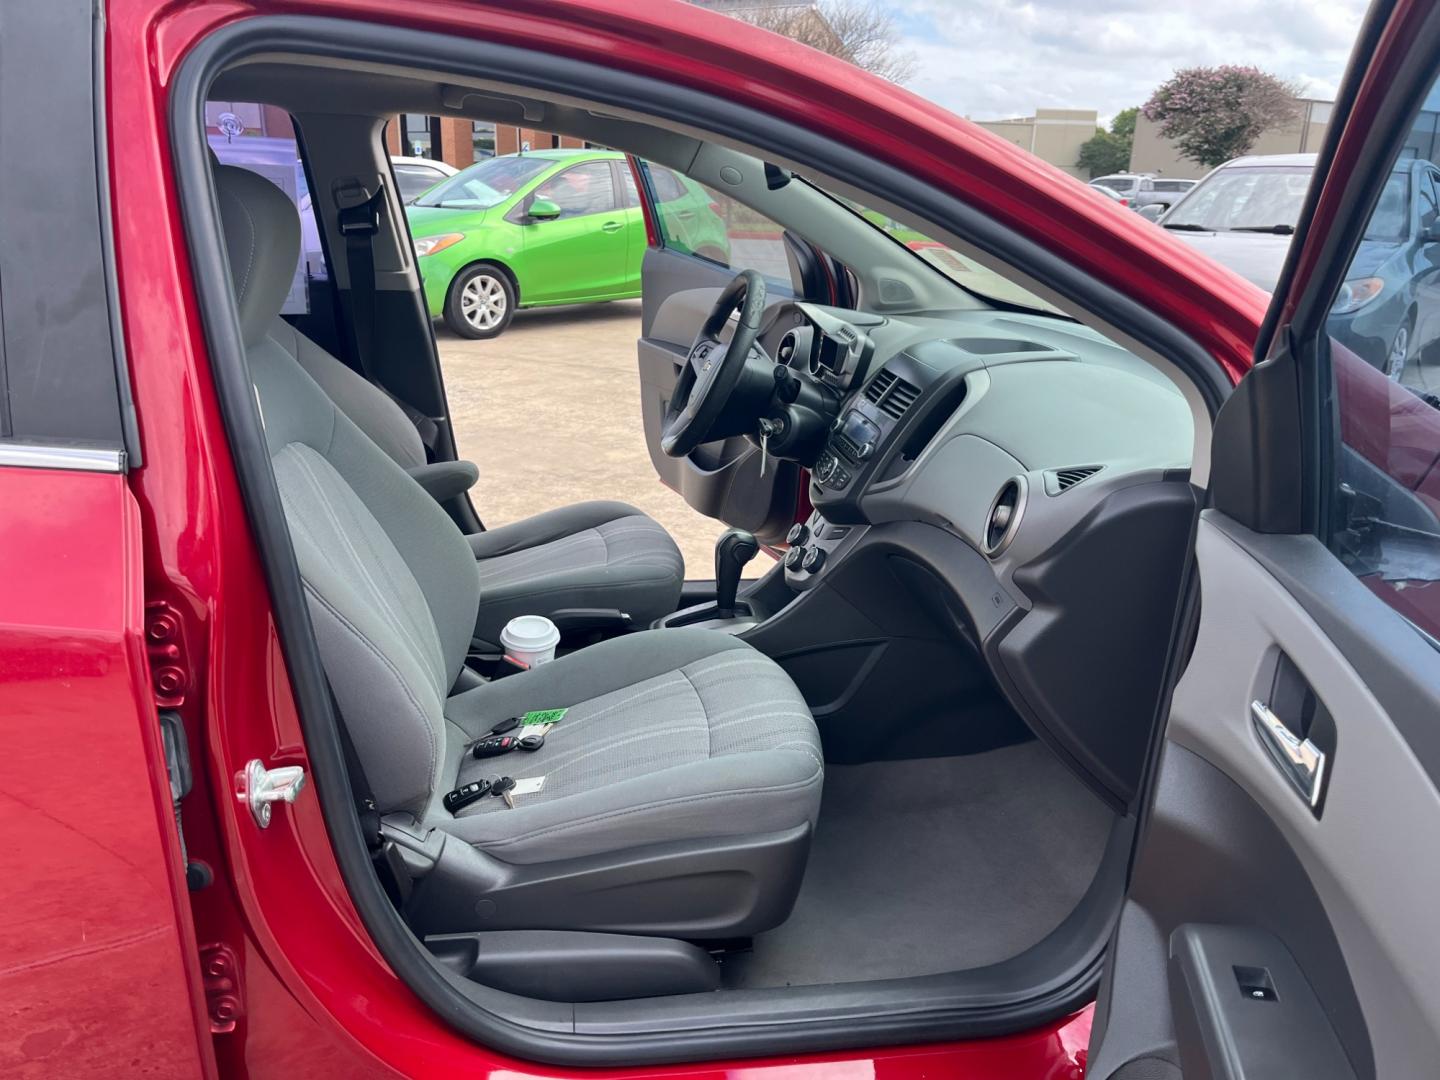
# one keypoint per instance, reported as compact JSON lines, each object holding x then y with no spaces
{"x":879,"y":384}
{"x":893,"y":394}
{"x":1004,"y":516}
{"x":1060,"y":480}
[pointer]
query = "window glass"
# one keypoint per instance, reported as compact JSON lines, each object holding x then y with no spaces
{"x":486,"y":183}
{"x":628,"y":192}
{"x":1264,"y":198}
{"x":414,"y":180}
{"x":482,"y":139}
{"x":261,"y":138}
{"x":1384,"y":336}
{"x":580,"y":190}
{"x":699,"y":220}
{"x":1115,"y":184}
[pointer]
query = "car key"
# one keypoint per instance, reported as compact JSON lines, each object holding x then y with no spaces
{"x":531,"y":742}
{"x":464,"y":796}
{"x":502,"y":788}
{"x":494,"y":746}
{"x":510,"y":723}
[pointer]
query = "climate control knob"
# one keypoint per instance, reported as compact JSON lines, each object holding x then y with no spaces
{"x":814,"y":559}
{"x":794,"y":557}
{"x":825,"y":468}
{"x":799,"y":535}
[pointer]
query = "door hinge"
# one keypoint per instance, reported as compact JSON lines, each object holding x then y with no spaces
{"x":224,"y":993}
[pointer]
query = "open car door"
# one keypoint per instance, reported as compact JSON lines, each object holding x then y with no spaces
{"x":1280,"y":919}
{"x":699,"y":239}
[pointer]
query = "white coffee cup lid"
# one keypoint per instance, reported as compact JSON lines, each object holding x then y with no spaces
{"x":530,"y":632}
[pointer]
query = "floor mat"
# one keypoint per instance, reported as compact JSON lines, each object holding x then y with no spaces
{"x":927,"y":866}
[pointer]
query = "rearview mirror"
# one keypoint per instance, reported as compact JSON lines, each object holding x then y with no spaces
{"x":542,"y":209}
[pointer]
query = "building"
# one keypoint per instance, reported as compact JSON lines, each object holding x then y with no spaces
{"x":1153,"y":153}
{"x":1053,"y":135}
{"x":461,"y":142}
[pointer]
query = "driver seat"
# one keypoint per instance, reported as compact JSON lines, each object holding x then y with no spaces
{"x":591,"y":556}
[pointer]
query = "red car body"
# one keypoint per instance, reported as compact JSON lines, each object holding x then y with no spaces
{"x":124,"y":592}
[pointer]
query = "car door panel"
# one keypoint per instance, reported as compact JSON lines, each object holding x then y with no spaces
{"x":1230,"y":842}
{"x":581,"y":254}
{"x":722,"y":480}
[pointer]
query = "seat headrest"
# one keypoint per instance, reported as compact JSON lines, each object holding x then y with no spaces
{"x":262,"y":239}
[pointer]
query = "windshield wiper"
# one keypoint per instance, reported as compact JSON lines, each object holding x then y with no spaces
{"x":1278,"y":230}
{"x":1185,"y":226}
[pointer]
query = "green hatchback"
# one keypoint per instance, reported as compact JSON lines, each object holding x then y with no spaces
{"x":542,"y":228}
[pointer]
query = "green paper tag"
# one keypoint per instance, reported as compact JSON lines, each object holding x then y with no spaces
{"x":543,"y":716}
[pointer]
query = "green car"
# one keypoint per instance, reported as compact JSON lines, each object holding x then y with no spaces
{"x":547,"y":227}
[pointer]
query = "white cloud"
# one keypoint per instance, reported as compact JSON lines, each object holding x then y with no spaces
{"x":995,"y":58}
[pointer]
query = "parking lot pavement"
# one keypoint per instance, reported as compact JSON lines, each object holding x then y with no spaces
{"x":550,"y":412}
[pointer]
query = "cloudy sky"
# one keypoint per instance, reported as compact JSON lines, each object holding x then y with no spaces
{"x":993,"y":58}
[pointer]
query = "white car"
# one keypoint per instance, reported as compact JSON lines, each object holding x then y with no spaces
{"x":416,"y":175}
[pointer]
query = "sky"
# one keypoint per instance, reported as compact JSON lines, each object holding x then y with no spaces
{"x":988,"y":59}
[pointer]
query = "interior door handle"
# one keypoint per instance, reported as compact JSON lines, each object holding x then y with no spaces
{"x":1299,"y":760}
{"x":610,"y":226}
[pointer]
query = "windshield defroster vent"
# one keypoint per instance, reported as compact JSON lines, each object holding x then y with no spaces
{"x":893,"y":394}
{"x":1061,"y":480}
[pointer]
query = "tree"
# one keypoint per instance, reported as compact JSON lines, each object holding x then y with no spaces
{"x":1109,"y":151}
{"x":1215,"y":114}
{"x":858,"y":31}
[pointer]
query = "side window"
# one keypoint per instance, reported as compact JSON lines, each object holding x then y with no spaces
{"x":1384,"y":331}
{"x":262,"y":138}
{"x":583,"y":189}
{"x":415,"y":180}
{"x":698,"y":220}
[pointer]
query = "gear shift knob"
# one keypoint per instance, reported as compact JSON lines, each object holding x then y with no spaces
{"x":733,"y":550}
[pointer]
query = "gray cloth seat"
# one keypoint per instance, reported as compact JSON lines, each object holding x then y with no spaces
{"x":680,"y":787}
{"x":592,"y":555}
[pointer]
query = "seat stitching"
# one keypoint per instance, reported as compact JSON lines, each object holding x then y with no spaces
{"x":250,"y":259}
{"x":704,"y":714}
{"x":664,"y":803}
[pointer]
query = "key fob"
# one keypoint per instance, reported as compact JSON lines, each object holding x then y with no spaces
{"x":464,"y":796}
{"x":510,"y":723}
{"x":531,"y":742}
{"x":494,"y":746}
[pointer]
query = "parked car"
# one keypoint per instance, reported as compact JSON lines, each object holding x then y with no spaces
{"x":1101,"y":666}
{"x":1141,"y":190}
{"x":541,"y":228}
{"x":417,"y":175}
{"x":1244,"y":214}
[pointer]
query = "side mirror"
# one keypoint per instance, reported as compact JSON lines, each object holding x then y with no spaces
{"x":542,"y":209}
{"x":1152,"y":211}
{"x":1430,"y":234}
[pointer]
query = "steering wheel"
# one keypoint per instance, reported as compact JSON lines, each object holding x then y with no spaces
{"x":697,"y":411}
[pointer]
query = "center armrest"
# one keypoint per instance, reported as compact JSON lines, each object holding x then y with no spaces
{"x":444,"y":480}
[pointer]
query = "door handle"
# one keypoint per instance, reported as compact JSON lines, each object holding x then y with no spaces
{"x":1299,"y":760}
{"x":611,"y":226}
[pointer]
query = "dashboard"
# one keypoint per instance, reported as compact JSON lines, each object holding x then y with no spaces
{"x":1036,"y":472}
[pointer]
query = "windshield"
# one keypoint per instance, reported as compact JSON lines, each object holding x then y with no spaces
{"x":1245,"y":197}
{"x":968,"y":274}
{"x":485,"y":184}
{"x":1117,"y":185}
{"x":1392,"y":213}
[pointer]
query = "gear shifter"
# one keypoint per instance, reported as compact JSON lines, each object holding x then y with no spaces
{"x":733,"y":550}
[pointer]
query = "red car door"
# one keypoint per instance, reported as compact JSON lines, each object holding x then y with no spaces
{"x":99,"y":968}
{"x":1279,"y":919}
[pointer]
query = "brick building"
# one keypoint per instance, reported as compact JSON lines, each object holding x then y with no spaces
{"x":460,"y":142}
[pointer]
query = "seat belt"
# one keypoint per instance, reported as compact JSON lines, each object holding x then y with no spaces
{"x":359,"y":224}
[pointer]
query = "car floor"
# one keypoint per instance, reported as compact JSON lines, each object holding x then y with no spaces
{"x":933,"y":865}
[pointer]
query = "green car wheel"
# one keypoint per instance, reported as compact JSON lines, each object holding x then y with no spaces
{"x":481,"y":302}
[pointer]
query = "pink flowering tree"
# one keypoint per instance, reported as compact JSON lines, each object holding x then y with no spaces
{"x":1213,"y":114}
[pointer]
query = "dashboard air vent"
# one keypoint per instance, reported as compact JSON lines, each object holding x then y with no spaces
{"x":1004,"y":516}
{"x":879,"y":384}
{"x":1059,"y":480}
{"x":893,"y":394}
